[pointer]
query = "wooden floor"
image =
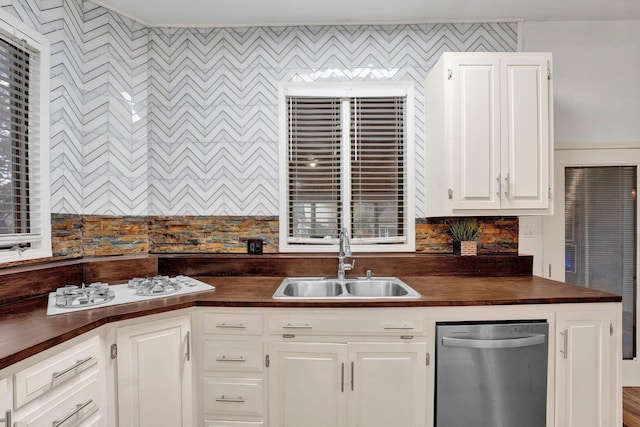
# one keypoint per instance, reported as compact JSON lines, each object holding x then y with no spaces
{"x":631,"y":406}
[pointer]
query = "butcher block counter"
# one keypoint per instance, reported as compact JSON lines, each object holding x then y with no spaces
{"x":27,"y":330}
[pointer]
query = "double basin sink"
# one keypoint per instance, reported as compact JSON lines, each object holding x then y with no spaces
{"x":349,"y":288}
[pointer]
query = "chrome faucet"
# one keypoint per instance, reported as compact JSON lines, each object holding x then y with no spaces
{"x":345,"y":252}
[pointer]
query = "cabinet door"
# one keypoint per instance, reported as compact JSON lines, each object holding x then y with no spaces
{"x":583,"y":379}
{"x":475,"y":132}
{"x":307,"y":385}
{"x":154,"y":373}
{"x":5,"y":402}
{"x":524,"y":89}
{"x":387,"y":384}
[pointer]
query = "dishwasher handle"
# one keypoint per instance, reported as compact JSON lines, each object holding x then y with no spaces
{"x":505,"y":343}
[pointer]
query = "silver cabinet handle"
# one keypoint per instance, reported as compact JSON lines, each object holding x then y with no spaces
{"x":7,"y":418}
{"x":303,"y":326}
{"x":79,"y":408}
{"x":342,"y":378}
{"x":508,"y":343}
{"x":57,"y":375}
{"x":231,"y":326}
{"x":238,"y":399}
{"x":353,"y":384}
{"x":188,"y":339}
{"x":565,"y":343}
{"x":231,"y":359}
{"x":506,"y":180}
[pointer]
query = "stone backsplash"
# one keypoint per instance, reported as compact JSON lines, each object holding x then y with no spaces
{"x":77,"y":236}
{"x":96,"y":235}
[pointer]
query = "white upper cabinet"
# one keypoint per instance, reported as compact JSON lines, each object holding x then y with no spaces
{"x":488,"y":134}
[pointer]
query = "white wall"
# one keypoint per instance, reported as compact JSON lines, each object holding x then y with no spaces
{"x":596,"y":85}
{"x":596,"y":78}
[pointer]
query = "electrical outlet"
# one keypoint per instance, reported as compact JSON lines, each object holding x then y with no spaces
{"x":254,"y":246}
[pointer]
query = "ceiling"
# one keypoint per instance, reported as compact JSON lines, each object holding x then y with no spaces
{"x":233,"y":13}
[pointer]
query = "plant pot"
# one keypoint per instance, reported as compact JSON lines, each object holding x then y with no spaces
{"x":465,"y":248}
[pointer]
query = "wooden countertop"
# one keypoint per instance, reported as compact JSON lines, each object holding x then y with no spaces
{"x":25,"y":329}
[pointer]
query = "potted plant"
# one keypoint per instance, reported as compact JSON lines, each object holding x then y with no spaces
{"x":464,"y":233}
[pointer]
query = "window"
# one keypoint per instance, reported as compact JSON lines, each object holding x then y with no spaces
{"x":600,"y":236}
{"x":347,"y":162}
{"x":25,"y":230}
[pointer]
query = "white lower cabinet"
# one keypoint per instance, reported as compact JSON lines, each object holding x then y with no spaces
{"x":362,"y":384}
{"x":154,"y":374}
{"x":309,"y":368}
{"x":62,"y":386}
{"x":78,"y":408}
{"x":230,"y":350}
{"x":307,"y":384}
{"x":388,"y":385}
{"x":586,"y":388}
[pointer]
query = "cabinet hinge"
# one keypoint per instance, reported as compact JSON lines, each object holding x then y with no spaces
{"x":114,"y":351}
{"x":450,"y":194}
{"x":449,"y":74}
{"x":266,"y":361}
{"x":549,"y":193}
{"x":428,"y":359}
{"x":548,"y":73}
{"x":611,"y":329}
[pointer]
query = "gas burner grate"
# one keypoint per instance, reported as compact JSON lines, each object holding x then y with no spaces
{"x":73,"y":296}
{"x":158,"y":285}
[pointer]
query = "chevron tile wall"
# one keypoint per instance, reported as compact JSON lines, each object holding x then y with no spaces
{"x":213,"y":133}
{"x":177,"y":121}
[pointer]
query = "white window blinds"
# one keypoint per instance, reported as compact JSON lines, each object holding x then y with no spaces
{"x":24,"y":210}
{"x":346,"y":168}
{"x":377,"y":168}
{"x":314,"y":168}
{"x":601,"y":236}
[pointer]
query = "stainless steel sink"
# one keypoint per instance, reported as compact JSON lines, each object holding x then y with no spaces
{"x":350,"y":288}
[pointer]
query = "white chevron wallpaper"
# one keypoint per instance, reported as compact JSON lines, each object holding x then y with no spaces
{"x":157,"y":121}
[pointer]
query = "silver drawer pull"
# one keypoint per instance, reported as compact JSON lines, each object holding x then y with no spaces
{"x":303,"y":326}
{"x":57,"y":375}
{"x":232,"y":326}
{"x":79,"y":408}
{"x":238,"y":399}
{"x":231,"y":359}
{"x":398,"y":328}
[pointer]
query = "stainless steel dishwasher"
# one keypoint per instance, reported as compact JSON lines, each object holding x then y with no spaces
{"x":491,"y":374}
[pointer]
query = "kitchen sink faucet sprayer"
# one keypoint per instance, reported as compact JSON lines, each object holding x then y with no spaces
{"x":345,"y":252}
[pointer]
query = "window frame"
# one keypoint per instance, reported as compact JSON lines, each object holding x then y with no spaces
{"x":14,"y":31}
{"x":552,"y":245}
{"x":347,"y":90}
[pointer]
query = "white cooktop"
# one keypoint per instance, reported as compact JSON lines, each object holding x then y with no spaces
{"x":124,"y":294}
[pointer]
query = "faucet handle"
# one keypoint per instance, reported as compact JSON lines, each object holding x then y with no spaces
{"x":369,"y":274}
{"x":350,"y":265}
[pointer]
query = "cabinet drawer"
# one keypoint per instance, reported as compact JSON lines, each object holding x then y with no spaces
{"x":44,"y":376}
{"x":232,"y":324}
{"x":210,"y":423}
{"x":77,"y":409}
{"x":381,"y":325}
{"x":233,"y":356}
{"x":233,"y":396}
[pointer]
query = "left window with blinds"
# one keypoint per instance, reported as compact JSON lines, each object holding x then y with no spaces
{"x":25,"y":219}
